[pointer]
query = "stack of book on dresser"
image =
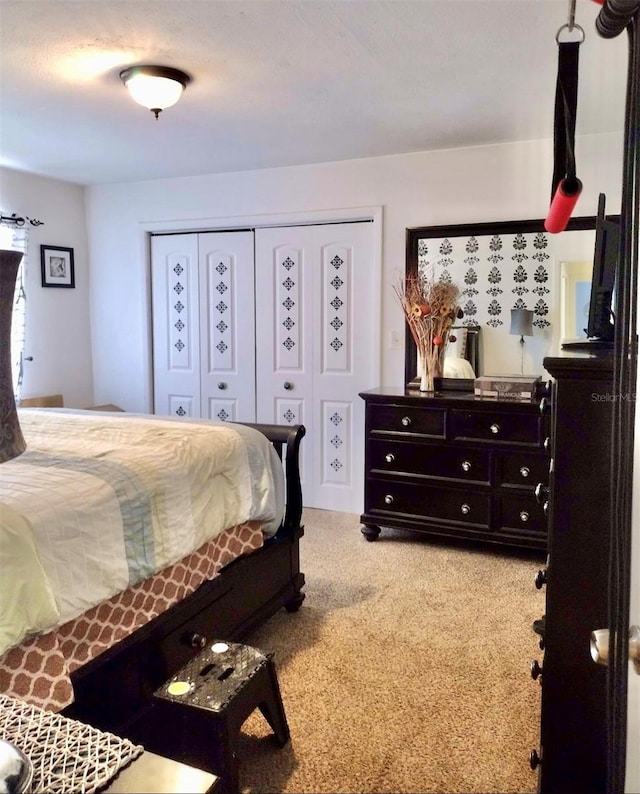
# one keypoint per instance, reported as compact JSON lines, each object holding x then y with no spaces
{"x":506,"y":387}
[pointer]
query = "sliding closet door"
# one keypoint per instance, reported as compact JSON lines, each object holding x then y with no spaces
{"x":176,"y":325}
{"x":227,"y":326}
{"x":203,"y":325}
{"x":317,"y":351}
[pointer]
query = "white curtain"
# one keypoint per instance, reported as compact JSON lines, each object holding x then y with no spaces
{"x":13,"y":237}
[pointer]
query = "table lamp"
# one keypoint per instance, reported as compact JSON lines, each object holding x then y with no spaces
{"x":521,"y":324}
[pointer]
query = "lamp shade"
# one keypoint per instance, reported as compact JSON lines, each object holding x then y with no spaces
{"x":155,"y":87}
{"x":522,"y":322}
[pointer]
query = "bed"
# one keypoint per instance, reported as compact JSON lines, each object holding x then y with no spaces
{"x":128,"y":541}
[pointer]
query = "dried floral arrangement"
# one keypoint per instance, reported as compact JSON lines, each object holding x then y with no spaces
{"x":430,"y":308}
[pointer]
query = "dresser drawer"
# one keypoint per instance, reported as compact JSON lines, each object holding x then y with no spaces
{"x":406,"y":419}
{"x":521,"y":512}
{"x":181,"y":644}
{"x":522,"y":468}
{"x":497,"y":427}
{"x":425,"y":501}
{"x":428,"y":460}
{"x":455,"y":465}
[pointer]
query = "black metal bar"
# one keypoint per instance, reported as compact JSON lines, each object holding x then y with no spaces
{"x":18,"y":220}
{"x":620,"y":15}
{"x":614,"y":17}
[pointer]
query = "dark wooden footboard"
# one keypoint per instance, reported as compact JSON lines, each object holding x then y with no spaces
{"x":286,"y":440}
{"x":113,"y":692}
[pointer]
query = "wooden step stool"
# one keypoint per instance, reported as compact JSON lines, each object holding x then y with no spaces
{"x":206,"y":703}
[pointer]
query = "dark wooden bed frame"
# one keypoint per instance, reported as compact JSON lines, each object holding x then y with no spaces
{"x":114,"y":691}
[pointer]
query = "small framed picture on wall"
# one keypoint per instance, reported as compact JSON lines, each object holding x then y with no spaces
{"x":57,"y":266}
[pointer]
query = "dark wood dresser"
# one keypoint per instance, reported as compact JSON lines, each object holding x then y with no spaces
{"x":573,"y":746}
{"x":456,"y":466}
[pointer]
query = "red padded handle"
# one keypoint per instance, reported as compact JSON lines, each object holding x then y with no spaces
{"x":565,"y":199}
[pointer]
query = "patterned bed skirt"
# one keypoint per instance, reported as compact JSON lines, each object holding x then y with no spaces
{"x":38,"y":670}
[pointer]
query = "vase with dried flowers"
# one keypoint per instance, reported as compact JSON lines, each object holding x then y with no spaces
{"x":430,"y":308}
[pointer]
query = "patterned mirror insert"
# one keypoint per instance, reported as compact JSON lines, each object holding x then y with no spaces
{"x":495,"y":273}
{"x":498,"y":267}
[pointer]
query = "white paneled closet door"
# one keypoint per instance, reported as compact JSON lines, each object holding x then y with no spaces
{"x":204,"y":325}
{"x":176,"y":325}
{"x":315,"y":317}
{"x":227,"y":326}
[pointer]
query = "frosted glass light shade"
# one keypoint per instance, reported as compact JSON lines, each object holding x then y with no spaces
{"x":154,"y":92}
{"x":155,"y":87}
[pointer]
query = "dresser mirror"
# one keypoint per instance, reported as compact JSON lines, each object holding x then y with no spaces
{"x":498,"y":267}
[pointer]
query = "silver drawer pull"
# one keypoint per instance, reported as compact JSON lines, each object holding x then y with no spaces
{"x":196,"y":640}
{"x":389,"y":457}
{"x":495,"y":429}
{"x":524,"y":516}
{"x":525,"y":471}
{"x":406,"y":421}
{"x":545,"y":405}
{"x":541,"y":578}
{"x":466,"y":465}
{"x":547,"y":444}
{"x":465,"y":509}
{"x":388,"y":499}
{"x":541,"y":491}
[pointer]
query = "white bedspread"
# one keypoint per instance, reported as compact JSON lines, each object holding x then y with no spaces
{"x":99,"y":502}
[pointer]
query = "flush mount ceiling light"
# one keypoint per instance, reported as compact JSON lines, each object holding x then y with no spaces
{"x":155,"y":87}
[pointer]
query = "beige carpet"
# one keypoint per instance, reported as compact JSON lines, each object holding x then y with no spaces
{"x":405,"y":670}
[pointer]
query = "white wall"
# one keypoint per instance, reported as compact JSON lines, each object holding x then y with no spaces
{"x":504,"y":182}
{"x":57,"y":320}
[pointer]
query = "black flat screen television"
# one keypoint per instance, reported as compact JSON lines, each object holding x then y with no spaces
{"x":600,"y":322}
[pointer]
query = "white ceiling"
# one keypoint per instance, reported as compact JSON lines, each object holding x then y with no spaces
{"x":285,"y":82}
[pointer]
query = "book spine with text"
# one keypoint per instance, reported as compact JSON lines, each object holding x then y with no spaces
{"x":504,"y":395}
